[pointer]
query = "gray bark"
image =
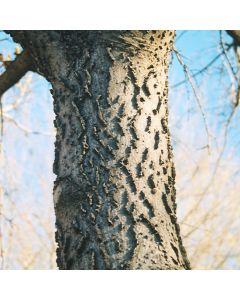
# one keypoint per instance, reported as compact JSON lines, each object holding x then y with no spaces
{"x":114,"y":195}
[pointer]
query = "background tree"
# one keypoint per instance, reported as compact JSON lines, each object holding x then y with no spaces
{"x":26,"y":214}
{"x":207,"y":160}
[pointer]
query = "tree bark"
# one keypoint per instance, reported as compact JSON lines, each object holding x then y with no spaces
{"x":114,"y":195}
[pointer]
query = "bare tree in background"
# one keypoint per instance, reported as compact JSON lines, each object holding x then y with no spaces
{"x":207,"y":186}
{"x":26,"y":229}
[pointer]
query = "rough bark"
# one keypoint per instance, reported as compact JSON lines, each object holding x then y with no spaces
{"x":114,"y":195}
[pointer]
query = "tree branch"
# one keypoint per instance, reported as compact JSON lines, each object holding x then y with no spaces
{"x":15,"y":71}
{"x":235,"y":34}
{"x":196,"y":93}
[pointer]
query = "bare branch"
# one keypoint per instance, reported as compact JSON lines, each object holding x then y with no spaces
{"x":192,"y":83}
{"x":204,"y":69}
{"x":25,"y":129}
{"x":226,"y":55}
{"x":15,"y":71}
{"x":178,"y":37}
{"x":235,"y":34}
{"x":216,"y":167}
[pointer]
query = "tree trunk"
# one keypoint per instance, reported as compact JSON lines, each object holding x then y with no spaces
{"x":114,"y":195}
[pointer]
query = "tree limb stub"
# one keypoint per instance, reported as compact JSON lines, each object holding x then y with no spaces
{"x":15,"y":71}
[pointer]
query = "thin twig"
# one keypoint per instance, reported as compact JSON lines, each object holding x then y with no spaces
{"x":25,"y":129}
{"x":3,"y":40}
{"x":180,"y":35}
{"x":203,"y":69}
{"x":194,"y":88}
{"x":224,"y":51}
{"x":215,"y":167}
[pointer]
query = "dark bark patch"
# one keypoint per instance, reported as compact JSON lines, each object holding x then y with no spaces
{"x":121,"y":110}
{"x":128,"y":151}
{"x":136,"y":88}
{"x":156,"y":140}
{"x":152,"y":230}
{"x":174,"y":261}
{"x":117,"y":126}
{"x":145,"y":88}
{"x":167,"y":190}
{"x":129,"y":179}
{"x":161,"y":162}
{"x":164,"y":170}
{"x":165,"y":203}
{"x":154,"y":112}
{"x":149,"y":207}
{"x":175,"y":249}
{"x":132,"y":240}
{"x":159,"y":104}
{"x":145,"y":155}
{"x":148,"y":124}
{"x":170,"y":181}
{"x":133,"y":133}
{"x":151,"y":165}
{"x":139,"y":171}
{"x":141,"y":195}
{"x":164,"y":126}
{"x":151,"y":182}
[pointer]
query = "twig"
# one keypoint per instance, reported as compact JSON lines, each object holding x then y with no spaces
{"x":203,"y":69}
{"x":216,"y":166}
{"x":3,"y":40}
{"x":224,"y":51}
{"x":192,"y":83}
{"x":182,"y":33}
{"x":25,"y":129}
